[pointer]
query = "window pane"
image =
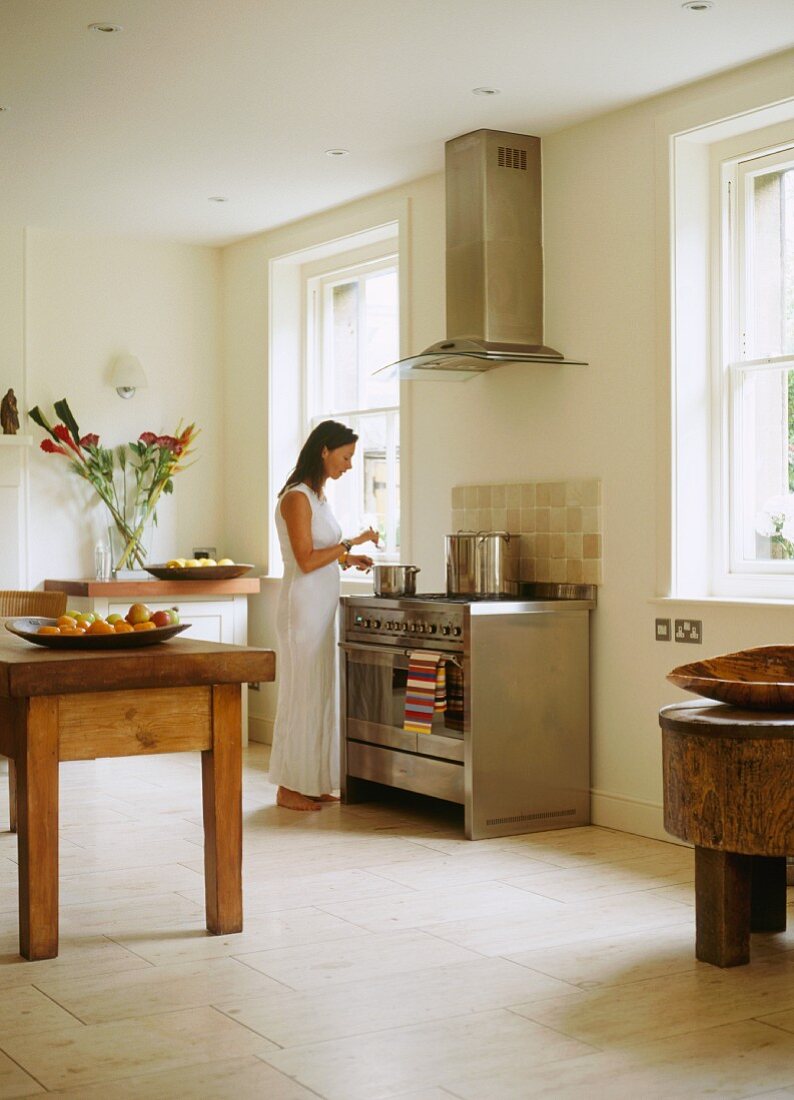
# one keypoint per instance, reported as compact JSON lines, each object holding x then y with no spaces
{"x":369,"y":496}
{"x":766,"y":448}
{"x":341,"y":374}
{"x":383,"y":339}
{"x":771,"y":265}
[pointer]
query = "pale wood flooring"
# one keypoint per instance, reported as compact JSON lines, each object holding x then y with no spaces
{"x":383,"y":955}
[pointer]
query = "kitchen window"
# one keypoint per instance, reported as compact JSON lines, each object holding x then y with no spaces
{"x":758,"y":371}
{"x":733,"y":358}
{"x":353,"y":328}
{"x":337,"y":312}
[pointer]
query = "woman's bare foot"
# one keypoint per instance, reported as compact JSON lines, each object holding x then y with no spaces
{"x":294,"y":800}
{"x":326,"y":798}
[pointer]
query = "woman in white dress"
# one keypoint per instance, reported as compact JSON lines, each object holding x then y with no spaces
{"x":304,"y":759}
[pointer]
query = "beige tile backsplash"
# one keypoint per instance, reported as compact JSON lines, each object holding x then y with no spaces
{"x":559,"y":523}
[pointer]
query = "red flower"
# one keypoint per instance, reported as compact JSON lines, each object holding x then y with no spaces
{"x":65,"y":436}
{"x":168,"y":442}
{"x":52,"y":448}
{"x":89,"y":440}
{"x":148,"y":438}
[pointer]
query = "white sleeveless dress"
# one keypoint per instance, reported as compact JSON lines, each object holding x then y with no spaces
{"x":305,"y":754}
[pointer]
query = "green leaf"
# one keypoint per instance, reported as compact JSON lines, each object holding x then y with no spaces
{"x":65,"y":413}
{"x":39,"y":418}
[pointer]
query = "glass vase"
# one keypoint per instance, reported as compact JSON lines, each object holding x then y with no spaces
{"x":130,"y":544}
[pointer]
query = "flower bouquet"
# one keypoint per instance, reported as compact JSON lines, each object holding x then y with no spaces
{"x":776,"y":522}
{"x":129,"y":479}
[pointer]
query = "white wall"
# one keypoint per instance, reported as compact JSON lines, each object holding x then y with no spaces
{"x":71,"y":303}
{"x":607,"y":301}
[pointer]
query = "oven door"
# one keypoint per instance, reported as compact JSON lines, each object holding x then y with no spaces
{"x":373,"y":702}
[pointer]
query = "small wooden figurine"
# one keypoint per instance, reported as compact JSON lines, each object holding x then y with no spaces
{"x":9,"y":415}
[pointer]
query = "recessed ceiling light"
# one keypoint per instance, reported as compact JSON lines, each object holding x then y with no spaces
{"x":337,"y":152}
{"x":698,"y":5}
{"x":217,"y":198}
{"x":485,"y":91}
{"x":105,"y":28}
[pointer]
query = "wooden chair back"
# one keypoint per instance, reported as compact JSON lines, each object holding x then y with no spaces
{"x":17,"y":602}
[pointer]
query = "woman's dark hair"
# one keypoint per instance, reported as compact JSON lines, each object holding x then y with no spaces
{"x":309,"y":467}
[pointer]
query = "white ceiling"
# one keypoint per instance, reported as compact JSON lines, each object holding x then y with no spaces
{"x":132,"y":132}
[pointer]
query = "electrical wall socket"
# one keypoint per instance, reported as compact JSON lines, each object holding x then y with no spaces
{"x":204,"y":552}
{"x":689,"y":630}
{"x":663,"y":633}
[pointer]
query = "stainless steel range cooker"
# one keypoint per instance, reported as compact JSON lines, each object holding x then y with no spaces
{"x":513,"y":745}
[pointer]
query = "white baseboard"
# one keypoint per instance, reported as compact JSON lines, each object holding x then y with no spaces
{"x":260,"y":729}
{"x":629,"y":815}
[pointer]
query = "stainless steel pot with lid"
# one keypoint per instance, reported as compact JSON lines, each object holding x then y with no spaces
{"x":482,"y":563}
{"x":395,"y":580}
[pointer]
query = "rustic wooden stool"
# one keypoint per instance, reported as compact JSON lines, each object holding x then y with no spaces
{"x":729,"y":790}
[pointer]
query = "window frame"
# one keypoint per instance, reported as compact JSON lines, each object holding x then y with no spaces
{"x":317,"y":404}
{"x":378,"y":228}
{"x":732,"y":573}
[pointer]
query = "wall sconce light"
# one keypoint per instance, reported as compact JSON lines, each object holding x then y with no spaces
{"x":127,"y":376}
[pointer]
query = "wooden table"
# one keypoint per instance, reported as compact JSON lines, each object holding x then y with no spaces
{"x":180,"y":696}
{"x":729,"y":790}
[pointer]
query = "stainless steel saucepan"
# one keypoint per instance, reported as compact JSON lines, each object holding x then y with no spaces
{"x":395,"y":580}
{"x":482,"y":563}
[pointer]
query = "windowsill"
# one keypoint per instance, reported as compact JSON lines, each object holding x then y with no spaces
{"x":726,"y":601}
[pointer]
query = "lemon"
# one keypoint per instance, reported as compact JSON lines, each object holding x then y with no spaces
{"x":191,"y":562}
{"x":207,"y":561}
{"x":225,"y":561}
{"x":175,"y":563}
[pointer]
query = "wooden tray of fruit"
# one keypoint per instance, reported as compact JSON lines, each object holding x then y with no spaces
{"x":84,"y":630}
{"x":198,"y":569}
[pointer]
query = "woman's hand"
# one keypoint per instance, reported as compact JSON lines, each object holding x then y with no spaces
{"x":362,"y":562}
{"x":370,"y":535}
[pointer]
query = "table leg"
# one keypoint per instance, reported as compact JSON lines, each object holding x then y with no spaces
{"x":722,"y":907}
{"x":222,"y":786}
{"x":37,"y":837}
{"x":768,"y":894}
{"x":12,"y":796}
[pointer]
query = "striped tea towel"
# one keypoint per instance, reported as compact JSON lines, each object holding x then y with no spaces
{"x":425,"y":690}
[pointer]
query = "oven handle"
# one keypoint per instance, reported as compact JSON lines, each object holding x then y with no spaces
{"x":352,"y":647}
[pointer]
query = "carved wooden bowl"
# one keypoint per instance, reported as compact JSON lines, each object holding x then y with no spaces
{"x":756,"y":679}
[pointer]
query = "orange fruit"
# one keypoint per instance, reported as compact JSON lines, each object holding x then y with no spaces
{"x":99,"y":626}
{"x":72,"y":632}
{"x":145,"y":626}
{"x":122,"y":627}
{"x":66,"y":620}
{"x":48,"y":630}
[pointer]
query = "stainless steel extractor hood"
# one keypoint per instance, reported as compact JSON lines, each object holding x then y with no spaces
{"x":494,"y":261}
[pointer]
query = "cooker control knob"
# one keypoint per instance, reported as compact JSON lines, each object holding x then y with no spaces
{"x":376,"y":624}
{"x":420,"y":627}
{"x":412,"y":627}
{"x":445,"y":628}
{"x":368,"y":623}
{"x":403,"y":626}
{"x":456,"y":631}
{"x":431,"y":629}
